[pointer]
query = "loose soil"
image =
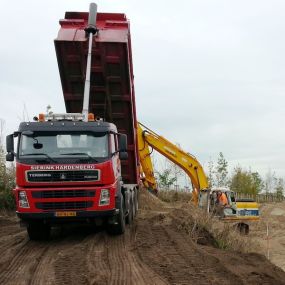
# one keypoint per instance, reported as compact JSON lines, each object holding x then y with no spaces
{"x":273,"y":216}
{"x":156,"y":249}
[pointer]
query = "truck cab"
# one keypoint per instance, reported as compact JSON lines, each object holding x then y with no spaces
{"x":68,"y":170}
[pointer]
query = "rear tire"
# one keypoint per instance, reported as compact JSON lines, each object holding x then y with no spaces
{"x":38,"y":231}
{"x":119,"y":226}
{"x":130,"y":216}
{"x":136,"y":202}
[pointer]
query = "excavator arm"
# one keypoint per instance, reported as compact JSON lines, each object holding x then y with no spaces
{"x":146,"y":171}
{"x":148,"y":139}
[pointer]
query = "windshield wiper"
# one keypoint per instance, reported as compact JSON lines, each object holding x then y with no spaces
{"x":80,"y":153}
{"x":50,"y":158}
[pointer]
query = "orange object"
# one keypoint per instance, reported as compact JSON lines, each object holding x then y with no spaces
{"x":91,"y":117}
{"x":41,"y":117}
{"x":223,"y":200}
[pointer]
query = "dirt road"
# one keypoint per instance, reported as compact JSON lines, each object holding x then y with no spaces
{"x":153,"y":251}
{"x":273,"y":216}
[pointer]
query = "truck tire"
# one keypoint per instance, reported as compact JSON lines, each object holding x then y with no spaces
{"x":136,"y":201}
{"x":38,"y":231}
{"x":119,"y":226}
{"x":130,"y":216}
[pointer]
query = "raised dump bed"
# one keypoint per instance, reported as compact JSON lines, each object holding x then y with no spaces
{"x":112,"y":94}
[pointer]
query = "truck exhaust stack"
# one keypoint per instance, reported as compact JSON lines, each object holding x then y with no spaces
{"x":91,"y":30}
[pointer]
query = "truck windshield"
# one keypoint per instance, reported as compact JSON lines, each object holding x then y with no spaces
{"x":60,"y":145}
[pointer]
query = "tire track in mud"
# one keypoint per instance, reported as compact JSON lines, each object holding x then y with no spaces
{"x":112,"y":260}
{"x":70,"y":262}
{"x":97,"y":260}
{"x":9,"y":247}
{"x":120,"y":269}
{"x":177,"y":259}
{"x":204,"y":265}
{"x":46,"y":271}
{"x":123,"y":271}
{"x":30,"y":262}
{"x":19,"y":256}
{"x":149,"y":276}
{"x":9,"y":241}
{"x":23,"y":263}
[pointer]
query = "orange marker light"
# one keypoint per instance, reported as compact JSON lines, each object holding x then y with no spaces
{"x":41,"y":117}
{"x":91,"y":117}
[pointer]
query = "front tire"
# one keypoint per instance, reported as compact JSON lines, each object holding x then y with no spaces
{"x":119,"y":226}
{"x":38,"y":231}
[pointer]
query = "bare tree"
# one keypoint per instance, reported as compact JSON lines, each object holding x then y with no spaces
{"x":270,"y":181}
{"x":211,"y":172}
{"x":2,"y":126}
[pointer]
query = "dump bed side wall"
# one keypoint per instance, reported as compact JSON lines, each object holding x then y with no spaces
{"x":112,"y":94}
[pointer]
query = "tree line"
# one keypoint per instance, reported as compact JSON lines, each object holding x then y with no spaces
{"x":239,"y":180}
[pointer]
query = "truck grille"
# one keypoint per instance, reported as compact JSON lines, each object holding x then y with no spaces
{"x":64,"y":205}
{"x":63,"y":194}
{"x":63,"y":176}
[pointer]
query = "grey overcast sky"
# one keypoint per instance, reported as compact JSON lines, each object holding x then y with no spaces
{"x":209,"y":75}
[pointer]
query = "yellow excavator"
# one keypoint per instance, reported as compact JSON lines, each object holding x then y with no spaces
{"x":149,"y":139}
{"x":240,"y":212}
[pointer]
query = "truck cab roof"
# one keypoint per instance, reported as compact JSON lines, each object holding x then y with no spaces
{"x":68,"y":126}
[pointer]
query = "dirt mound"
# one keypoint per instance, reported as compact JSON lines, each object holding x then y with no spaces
{"x":148,"y":201}
{"x":165,"y":244}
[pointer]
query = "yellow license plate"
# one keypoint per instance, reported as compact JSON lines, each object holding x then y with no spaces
{"x":65,"y":214}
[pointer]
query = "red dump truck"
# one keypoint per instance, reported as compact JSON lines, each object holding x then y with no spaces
{"x":81,"y":166}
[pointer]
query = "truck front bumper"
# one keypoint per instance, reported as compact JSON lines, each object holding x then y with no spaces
{"x":80,"y":216}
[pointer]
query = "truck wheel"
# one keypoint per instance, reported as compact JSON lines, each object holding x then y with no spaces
{"x":135,"y":204}
{"x":130,"y":216}
{"x":38,"y":231}
{"x":243,"y":228}
{"x":119,"y":226}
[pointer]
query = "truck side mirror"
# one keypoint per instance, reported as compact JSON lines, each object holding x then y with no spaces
{"x":10,"y":148}
{"x":10,"y":156}
{"x":123,"y":145}
{"x":10,"y":143}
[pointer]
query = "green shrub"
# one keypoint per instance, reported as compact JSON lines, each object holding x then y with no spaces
{"x":7,"y":200}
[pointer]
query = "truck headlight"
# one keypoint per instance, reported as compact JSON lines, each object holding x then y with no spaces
{"x":104,"y":197}
{"x":23,"y":200}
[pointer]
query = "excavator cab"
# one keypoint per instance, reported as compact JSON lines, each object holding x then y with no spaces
{"x":208,"y":200}
{"x":229,"y":209}
{"x":204,"y":200}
